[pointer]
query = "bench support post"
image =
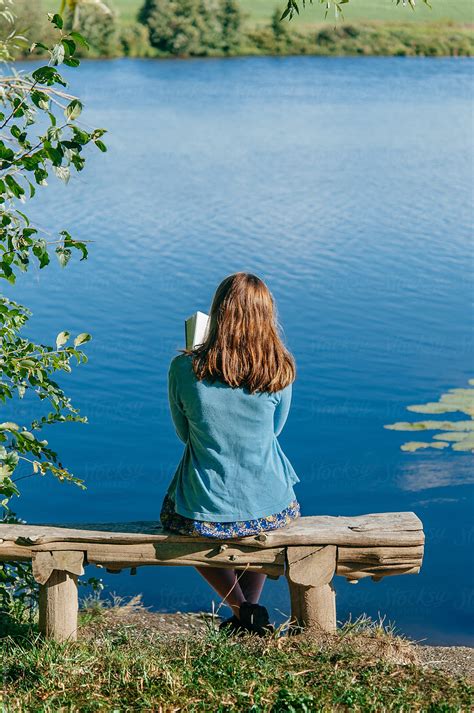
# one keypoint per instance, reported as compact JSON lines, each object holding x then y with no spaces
{"x":57,"y":572}
{"x":309,"y":574}
{"x":58,"y":606}
{"x":313,"y":607}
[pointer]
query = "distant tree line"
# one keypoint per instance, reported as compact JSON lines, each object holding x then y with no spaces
{"x":200,"y":28}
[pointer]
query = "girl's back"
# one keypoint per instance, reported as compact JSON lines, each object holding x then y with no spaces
{"x":232,"y":460}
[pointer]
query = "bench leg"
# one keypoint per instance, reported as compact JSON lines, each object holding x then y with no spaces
{"x":309,"y":572}
{"x":58,"y":606}
{"x":313,"y":607}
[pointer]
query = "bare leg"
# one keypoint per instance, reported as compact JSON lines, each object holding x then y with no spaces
{"x":224,"y":582}
{"x":251,"y":584}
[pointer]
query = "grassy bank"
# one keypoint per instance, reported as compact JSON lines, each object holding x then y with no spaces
{"x":134,"y":660}
{"x":369,"y":38}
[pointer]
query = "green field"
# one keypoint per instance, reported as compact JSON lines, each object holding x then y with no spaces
{"x":259,"y":11}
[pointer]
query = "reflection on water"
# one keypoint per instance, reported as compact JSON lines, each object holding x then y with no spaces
{"x":426,"y":474}
{"x":346,"y":184}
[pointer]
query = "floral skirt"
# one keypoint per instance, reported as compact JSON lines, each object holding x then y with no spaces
{"x":171,"y":520}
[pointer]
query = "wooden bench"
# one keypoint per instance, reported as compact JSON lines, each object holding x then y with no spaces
{"x":309,"y":552}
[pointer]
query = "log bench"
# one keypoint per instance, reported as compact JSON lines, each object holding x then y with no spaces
{"x":309,"y":552}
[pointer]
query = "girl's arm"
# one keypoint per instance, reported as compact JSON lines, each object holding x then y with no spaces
{"x":281,"y":410}
{"x":177,"y":413}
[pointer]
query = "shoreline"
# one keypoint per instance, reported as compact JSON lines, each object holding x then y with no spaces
{"x":210,"y":58}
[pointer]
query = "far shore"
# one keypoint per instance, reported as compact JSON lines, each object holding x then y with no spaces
{"x":358,"y":39}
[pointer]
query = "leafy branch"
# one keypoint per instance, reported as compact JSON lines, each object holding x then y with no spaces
{"x":27,"y":158}
{"x":293,"y":6}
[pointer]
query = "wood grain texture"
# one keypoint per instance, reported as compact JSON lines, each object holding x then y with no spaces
{"x":134,"y":554}
{"x":313,"y":608}
{"x":376,"y":573}
{"x":58,"y":607}
{"x":311,"y":566}
{"x":379,"y":555}
{"x":44,"y":563}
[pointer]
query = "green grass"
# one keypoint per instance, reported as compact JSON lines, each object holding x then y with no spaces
{"x":128,"y":9}
{"x":259,"y":11}
{"x":117,"y":670}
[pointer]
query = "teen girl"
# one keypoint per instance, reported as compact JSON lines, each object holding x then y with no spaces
{"x":229,"y":400}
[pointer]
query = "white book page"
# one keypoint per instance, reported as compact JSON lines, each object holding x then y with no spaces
{"x":195,"y":329}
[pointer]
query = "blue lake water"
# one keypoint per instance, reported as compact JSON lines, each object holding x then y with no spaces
{"x":346,"y":184}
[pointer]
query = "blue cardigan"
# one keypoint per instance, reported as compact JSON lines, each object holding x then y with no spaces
{"x":233,"y":467}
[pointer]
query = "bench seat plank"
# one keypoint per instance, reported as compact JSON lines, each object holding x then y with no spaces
{"x":378,"y":529}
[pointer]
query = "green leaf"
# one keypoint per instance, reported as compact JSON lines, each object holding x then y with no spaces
{"x":32,"y":162}
{"x":55,"y":154}
{"x":6,"y":154}
{"x":79,"y":39}
{"x":15,"y":187}
{"x":56,"y":20}
{"x":82,"y":137}
{"x":73,"y":110}
{"x":42,"y":254}
{"x":48,"y":76}
{"x":16,"y":132}
{"x":61,"y":339}
{"x":82,"y":339}
{"x":70,"y":45}
{"x":40,"y":176}
{"x":100,"y":145}
{"x":82,"y":247}
{"x":52,"y":119}
{"x":71,"y":61}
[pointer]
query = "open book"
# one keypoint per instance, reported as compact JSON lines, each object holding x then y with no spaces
{"x":195,"y":329}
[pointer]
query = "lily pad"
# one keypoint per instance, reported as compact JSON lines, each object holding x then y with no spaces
{"x":413,"y":446}
{"x":452,"y":436}
{"x":466,"y":444}
{"x":457,"y":434}
{"x":432,"y":426}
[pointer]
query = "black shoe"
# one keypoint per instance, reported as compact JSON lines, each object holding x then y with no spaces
{"x":254,"y":618}
{"x":232,"y":626}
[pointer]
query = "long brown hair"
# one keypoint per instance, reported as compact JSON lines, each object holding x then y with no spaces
{"x":243,"y":346}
